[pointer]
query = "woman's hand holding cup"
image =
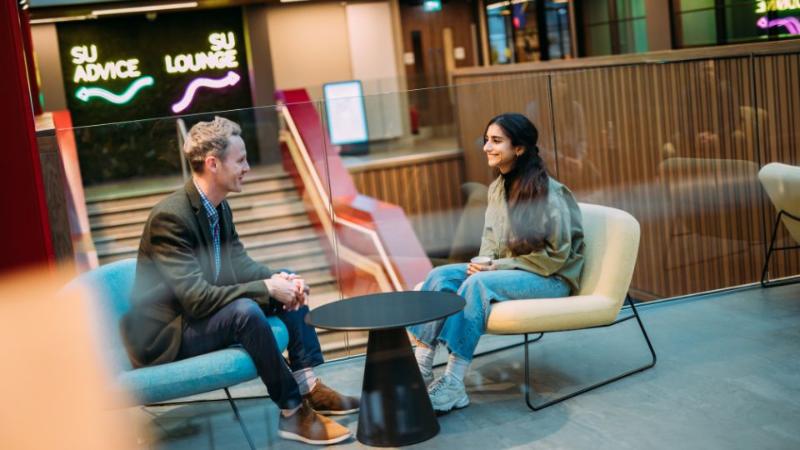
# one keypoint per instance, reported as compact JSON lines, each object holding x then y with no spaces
{"x":479,"y":264}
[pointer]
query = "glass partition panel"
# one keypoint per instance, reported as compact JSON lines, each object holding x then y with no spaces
{"x":674,"y":145}
{"x":390,"y":199}
{"x":124,"y":169}
{"x":677,"y":145}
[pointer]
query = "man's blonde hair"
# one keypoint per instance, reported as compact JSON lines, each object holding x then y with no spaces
{"x":209,"y":138}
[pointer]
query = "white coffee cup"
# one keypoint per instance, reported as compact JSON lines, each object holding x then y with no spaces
{"x":481,"y":260}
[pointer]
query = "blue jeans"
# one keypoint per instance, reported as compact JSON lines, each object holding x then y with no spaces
{"x":461,"y":331}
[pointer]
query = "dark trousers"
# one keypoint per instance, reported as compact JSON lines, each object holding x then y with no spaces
{"x":244,"y":322}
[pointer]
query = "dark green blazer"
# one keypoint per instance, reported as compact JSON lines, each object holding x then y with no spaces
{"x":175,"y":273}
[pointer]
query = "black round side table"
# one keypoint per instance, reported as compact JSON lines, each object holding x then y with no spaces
{"x":395,"y":407}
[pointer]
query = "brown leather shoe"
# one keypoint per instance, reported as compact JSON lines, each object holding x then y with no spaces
{"x":325,"y":400}
{"x":307,"y":426}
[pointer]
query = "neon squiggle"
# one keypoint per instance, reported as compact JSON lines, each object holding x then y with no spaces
{"x":791,"y":24}
{"x":86,"y":93}
{"x":229,"y":80}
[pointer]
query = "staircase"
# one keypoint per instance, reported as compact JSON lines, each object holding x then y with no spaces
{"x":271,"y":220}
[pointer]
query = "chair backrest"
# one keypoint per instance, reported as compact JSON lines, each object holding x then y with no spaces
{"x":782,"y":183}
{"x":109,"y":287}
{"x":611,"y":237}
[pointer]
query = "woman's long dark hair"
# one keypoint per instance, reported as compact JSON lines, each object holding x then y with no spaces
{"x":525,"y":184}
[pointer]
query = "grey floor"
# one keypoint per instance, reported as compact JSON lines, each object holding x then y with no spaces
{"x":728,"y":376}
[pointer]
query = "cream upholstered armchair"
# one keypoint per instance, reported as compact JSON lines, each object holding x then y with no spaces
{"x":782,"y":183}
{"x":612,"y":244}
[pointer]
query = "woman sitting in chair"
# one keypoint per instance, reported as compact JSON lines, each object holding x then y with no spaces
{"x":532,"y":234}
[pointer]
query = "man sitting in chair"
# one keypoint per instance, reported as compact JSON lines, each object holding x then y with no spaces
{"x":197,"y":291}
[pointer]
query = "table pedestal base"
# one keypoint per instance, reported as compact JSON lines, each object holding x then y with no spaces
{"x":395,"y":407}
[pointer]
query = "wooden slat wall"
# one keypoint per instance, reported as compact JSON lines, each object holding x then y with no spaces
{"x":678,"y":144}
{"x":428,"y":190}
{"x":481,"y":98}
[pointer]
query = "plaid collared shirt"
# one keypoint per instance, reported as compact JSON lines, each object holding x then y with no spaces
{"x":213,"y":219}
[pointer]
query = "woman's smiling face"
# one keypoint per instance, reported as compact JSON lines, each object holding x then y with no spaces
{"x":500,"y":154}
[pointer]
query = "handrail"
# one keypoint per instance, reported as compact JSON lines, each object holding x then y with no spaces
{"x":308,"y":173}
{"x":181,"y":129}
{"x":83,"y":245}
{"x":657,"y":57}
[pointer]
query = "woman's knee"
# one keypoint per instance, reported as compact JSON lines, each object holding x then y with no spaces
{"x":488,"y":279}
{"x":441,"y":275}
{"x":475,"y":280}
{"x":476,"y":289}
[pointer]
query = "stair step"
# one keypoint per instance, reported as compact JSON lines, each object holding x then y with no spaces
{"x":275,"y":186}
{"x":142,"y":208}
{"x":280,"y":238}
{"x":286,"y":255}
{"x":268,"y":199}
{"x":106,"y":224}
{"x":276,"y":241}
{"x":110,"y":243}
{"x":313,"y":261}
{"x":323,"y":296}
{"x":319,"y":278}
{"x":268,"y":211}
{"x":252,"y":189}
{"x":107,"y":234}
{"x":132,"y":190}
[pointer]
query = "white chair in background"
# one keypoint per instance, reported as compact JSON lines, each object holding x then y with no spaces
{"x":782,"y":183}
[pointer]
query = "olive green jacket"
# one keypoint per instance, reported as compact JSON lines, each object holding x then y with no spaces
{"x":175,"y":273}
{"x":563,"y":251}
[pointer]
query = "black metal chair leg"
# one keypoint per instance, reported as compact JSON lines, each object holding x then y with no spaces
{"x":498,"y":349}
{"x":764,"y":281}
{"x":239,"y":419}
{"x":527,"y":384}
{"x":764,"y":271}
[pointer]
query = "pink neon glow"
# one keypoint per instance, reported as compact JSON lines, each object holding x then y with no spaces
{"x":229,"y":80}
{"x":791,"y":24}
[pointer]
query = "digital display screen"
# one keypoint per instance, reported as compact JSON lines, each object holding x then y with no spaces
{"x":345,"y":112}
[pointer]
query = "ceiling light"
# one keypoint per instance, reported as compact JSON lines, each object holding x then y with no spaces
{"x":60,"y":19}
{"x":140,"y":9}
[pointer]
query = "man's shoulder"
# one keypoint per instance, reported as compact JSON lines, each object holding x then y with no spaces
{"x":176,"y":202}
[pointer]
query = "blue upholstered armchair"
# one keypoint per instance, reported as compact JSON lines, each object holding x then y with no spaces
{"x":110,"y":286}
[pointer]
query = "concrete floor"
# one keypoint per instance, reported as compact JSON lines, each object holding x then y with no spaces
{"x":728,"y":376}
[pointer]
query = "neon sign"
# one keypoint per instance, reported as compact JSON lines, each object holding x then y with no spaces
{"x":792,"y":24}
{"x":88,"y":69}
{"x":86,"y":93}
{"x":222,"y":55}
{"x":229,"y":80}
{"x":764,"y":6}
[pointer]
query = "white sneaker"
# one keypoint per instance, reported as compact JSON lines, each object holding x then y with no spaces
{"x":448,"y":393}
{"x":427,"y":376}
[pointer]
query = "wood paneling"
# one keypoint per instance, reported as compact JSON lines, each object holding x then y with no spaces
{"x":678,"y":144}
{"x":480,"y":99}
{"x":428,"y":189}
